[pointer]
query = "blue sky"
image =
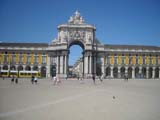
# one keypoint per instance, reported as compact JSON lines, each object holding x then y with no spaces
{"x":133,"y":22}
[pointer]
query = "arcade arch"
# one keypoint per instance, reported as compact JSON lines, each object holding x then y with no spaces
{"x":122,"y":70}
{"x":108,"y":72}
{"x":156,"y":72}
{"x":115,"y":72}
{"x":130,"y":72}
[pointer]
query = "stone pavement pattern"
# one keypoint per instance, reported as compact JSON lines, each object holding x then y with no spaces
{"x":74,"y":100}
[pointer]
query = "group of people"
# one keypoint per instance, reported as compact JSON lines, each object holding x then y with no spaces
{"x":100,"y":78}
{"x":56,"y":80}
{"x":34,"y":79}
{"x":14,"y":79}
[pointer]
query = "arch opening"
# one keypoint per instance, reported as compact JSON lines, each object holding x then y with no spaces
{"x":76,"y":59}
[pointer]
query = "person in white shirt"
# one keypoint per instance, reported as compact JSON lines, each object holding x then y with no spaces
{"x":36,"y":80}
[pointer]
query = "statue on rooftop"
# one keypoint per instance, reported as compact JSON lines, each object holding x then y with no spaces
{"x":76,"y":19}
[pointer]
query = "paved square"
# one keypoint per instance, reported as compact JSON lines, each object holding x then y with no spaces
{"x":74,"y":100}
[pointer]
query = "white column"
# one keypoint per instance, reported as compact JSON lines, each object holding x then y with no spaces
{"x":133,"y":72}
{"x":90,"y":63}
{"x":111,"y":72}
{"x":119,"y":72}
{"x":147,"y":72}
{"x":65,"y":64}
{"x":86,"y":65}
{"x":140,"y":70}
{"x":126,"y":71}
{"x":102,"y":67}
{"x":61,"y":64}
{"x":31,"y":67}
{"x":48,"y":74}
{"x":153,"y":73}
{"x":57,"y":67}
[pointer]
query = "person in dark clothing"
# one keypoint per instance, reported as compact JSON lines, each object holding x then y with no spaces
{"x":16,"y":81}
{"x":93,"y":77}
{"x":12,"y":79}
{"x":32,"y":79}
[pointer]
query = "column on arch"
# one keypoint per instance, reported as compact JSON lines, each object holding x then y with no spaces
{"x":61,"y":64}
{"x":58,"y":64}
{"x":102,"y":65}
{"x":86,"y":64}
{"x":65,"y":63}
{"x":140,"y":70}
{"x":90,"y":64}
{"x":48,"y":74}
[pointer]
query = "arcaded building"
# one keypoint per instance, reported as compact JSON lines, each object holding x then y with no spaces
{"x":47,"y":60}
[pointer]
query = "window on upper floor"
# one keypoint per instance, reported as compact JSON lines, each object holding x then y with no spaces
{"x":36,"y":59}
{"x":137,"y":60}
{"x":43,"y":59}
{"x":150,"y":60}
{"x":28,"y":59}
{"x":115,"y":60}
{"x":144,"y":60}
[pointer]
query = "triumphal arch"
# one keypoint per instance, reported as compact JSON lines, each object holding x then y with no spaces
{"x":75,"y":32}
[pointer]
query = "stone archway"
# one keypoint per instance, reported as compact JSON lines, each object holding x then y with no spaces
{"x":122,"y":70}
{"x":130,"y":72}
{"x":43,"y":71}
{"x":35,"y":68}
{"x":144,"y":72}
{"x":20,"y":68}
{"x":5,"y":67}
{"x":150,"y":72}
{"x":137,"y":72}
{"x":115,"y":72}
{"x":28,"y":68}
{"x":108,"y":72}
{"x":13,"y":67}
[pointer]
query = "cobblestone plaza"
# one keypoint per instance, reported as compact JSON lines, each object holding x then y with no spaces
{"x":111,"y":100}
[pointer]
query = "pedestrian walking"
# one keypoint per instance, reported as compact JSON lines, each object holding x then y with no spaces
{"x":58,"y":79}
{"x":93,"y":77}
{"x":16,"y":81}
{"x":32,"y":79}
{"x":35,"y":80}
{"x":54,"y":80}
{"x":126,"y":78}
{"x":12,"y":79}
{"x":81,"y":79}
{"x":102,"y":77}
